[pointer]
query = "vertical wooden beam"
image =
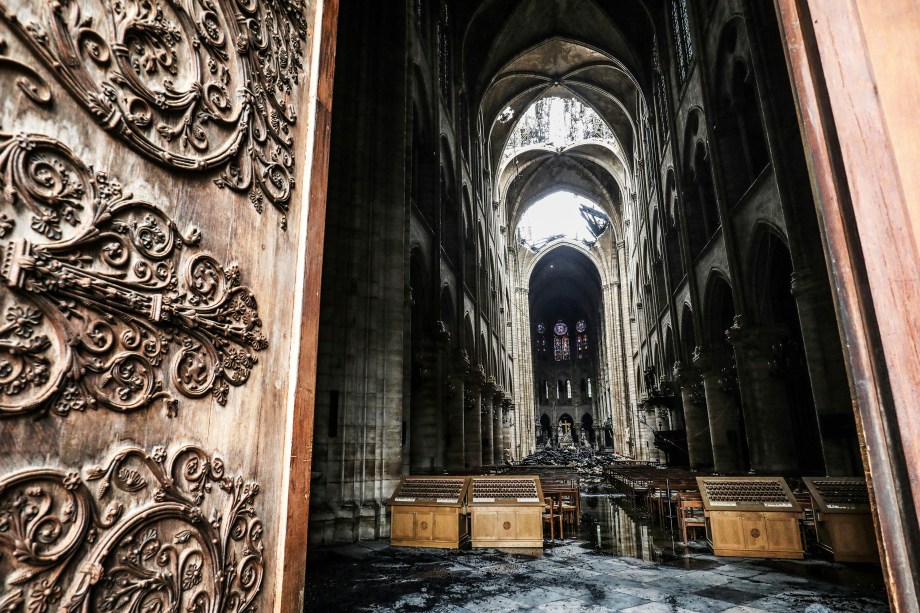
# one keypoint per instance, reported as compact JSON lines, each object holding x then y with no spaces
{"x":855,"y":166}
{"x":291,"y":596}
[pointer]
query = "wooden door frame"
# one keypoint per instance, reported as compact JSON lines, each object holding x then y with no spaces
{"x":299,"y":438}
{"x":841,"y":68}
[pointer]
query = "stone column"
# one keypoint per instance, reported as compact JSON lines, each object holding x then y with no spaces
{"x":510,"y":425}
{"x":498,"y":426}
{"x":764,"y":399}
{"x":455,"y":394}
{"x":827,"y":373}
{"x":693,"y":399}
{"x":487,"y":417}
{"x":722,"y":411}
{"x":425,"y":419}
{"x":472,"y":418}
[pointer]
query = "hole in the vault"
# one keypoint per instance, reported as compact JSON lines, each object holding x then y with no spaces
{"x":559,"y":215}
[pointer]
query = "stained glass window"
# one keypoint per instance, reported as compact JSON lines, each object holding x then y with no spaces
{"x":541,"y":340}
{"x":581,"y":341}
{"x":445,"y":72}
{"x":683,"y":45}
{"x":561,"y":348}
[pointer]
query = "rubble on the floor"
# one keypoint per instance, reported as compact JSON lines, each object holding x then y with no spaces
{"x":589,"y":464}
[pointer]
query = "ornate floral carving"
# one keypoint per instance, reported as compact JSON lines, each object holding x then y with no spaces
{"x":98,"y":296}
{"x":156,"y":532}
{"x":196,"y":85}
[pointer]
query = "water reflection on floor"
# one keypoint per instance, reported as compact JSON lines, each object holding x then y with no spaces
{"x":621,"y":560}
{"x":613,"y":525}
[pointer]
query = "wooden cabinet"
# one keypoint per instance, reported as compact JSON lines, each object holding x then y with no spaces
{"x":506,"y":511}
{"x":751,"y":517}
{"x":430,"y":512}
{"x":843,"y":519}
{"x":507,"y":527}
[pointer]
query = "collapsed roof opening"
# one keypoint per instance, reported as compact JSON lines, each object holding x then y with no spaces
{"x":557,"y":122}
{"x":561,"y":215}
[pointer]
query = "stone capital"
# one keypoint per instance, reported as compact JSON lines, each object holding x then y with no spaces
{"x":686,"y":375}
{"x":462,"y":362}
{"x":476,"y":375}
{"x":749,"y":339}
{"x":706,"y":362}
{"x":806,"y":282}
{"x":441,"y":334}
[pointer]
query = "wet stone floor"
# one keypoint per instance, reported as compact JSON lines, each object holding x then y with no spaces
{"x":619,"y":562}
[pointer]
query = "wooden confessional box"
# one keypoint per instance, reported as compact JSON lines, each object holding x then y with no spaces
{"x":843,"y":518}
{"x":506,"y":511}
{"x":754,"y":517}
{"x":430,"y":512}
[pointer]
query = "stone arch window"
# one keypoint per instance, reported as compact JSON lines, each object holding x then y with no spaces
{"x":469,"y":250}
{"x":658,"y":261}
{"x":672,"y":231}
{"x":738,"y":127}
{"x":483,"y":275}
{"x":450,"y":215}
{"x":687,"y":334}
{"x":422,"y":168}
{"x":463,"y":111}
{"x":699,"y":196}
{"x":683,"y":44}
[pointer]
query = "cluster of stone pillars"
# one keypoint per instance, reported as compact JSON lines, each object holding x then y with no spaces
{"x":737,"y":406}
{"x":480,"y":418}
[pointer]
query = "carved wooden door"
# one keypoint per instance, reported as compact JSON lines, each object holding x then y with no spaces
{"x":158,"y":300}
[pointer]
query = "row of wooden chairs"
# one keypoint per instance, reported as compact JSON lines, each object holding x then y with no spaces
{"x":561,"y":508}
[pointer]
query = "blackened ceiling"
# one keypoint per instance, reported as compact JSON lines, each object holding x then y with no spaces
{"x":565,"y":285}
{"x":599,"y":52}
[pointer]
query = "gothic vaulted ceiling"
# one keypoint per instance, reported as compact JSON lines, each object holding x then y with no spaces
{"x":596,"y":51}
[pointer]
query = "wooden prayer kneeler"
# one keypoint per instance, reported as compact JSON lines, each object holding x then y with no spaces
{"x":506,"y":511}
{"x":755,"y":517}
{"x":843,"y":518}
{"x":430,"y":512}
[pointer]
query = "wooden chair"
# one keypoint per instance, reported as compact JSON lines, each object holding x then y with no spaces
{"x":807,"y":524}
{"x":690,"y":514}
{"x":552,"y":515}
{"x":569,"y":506}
